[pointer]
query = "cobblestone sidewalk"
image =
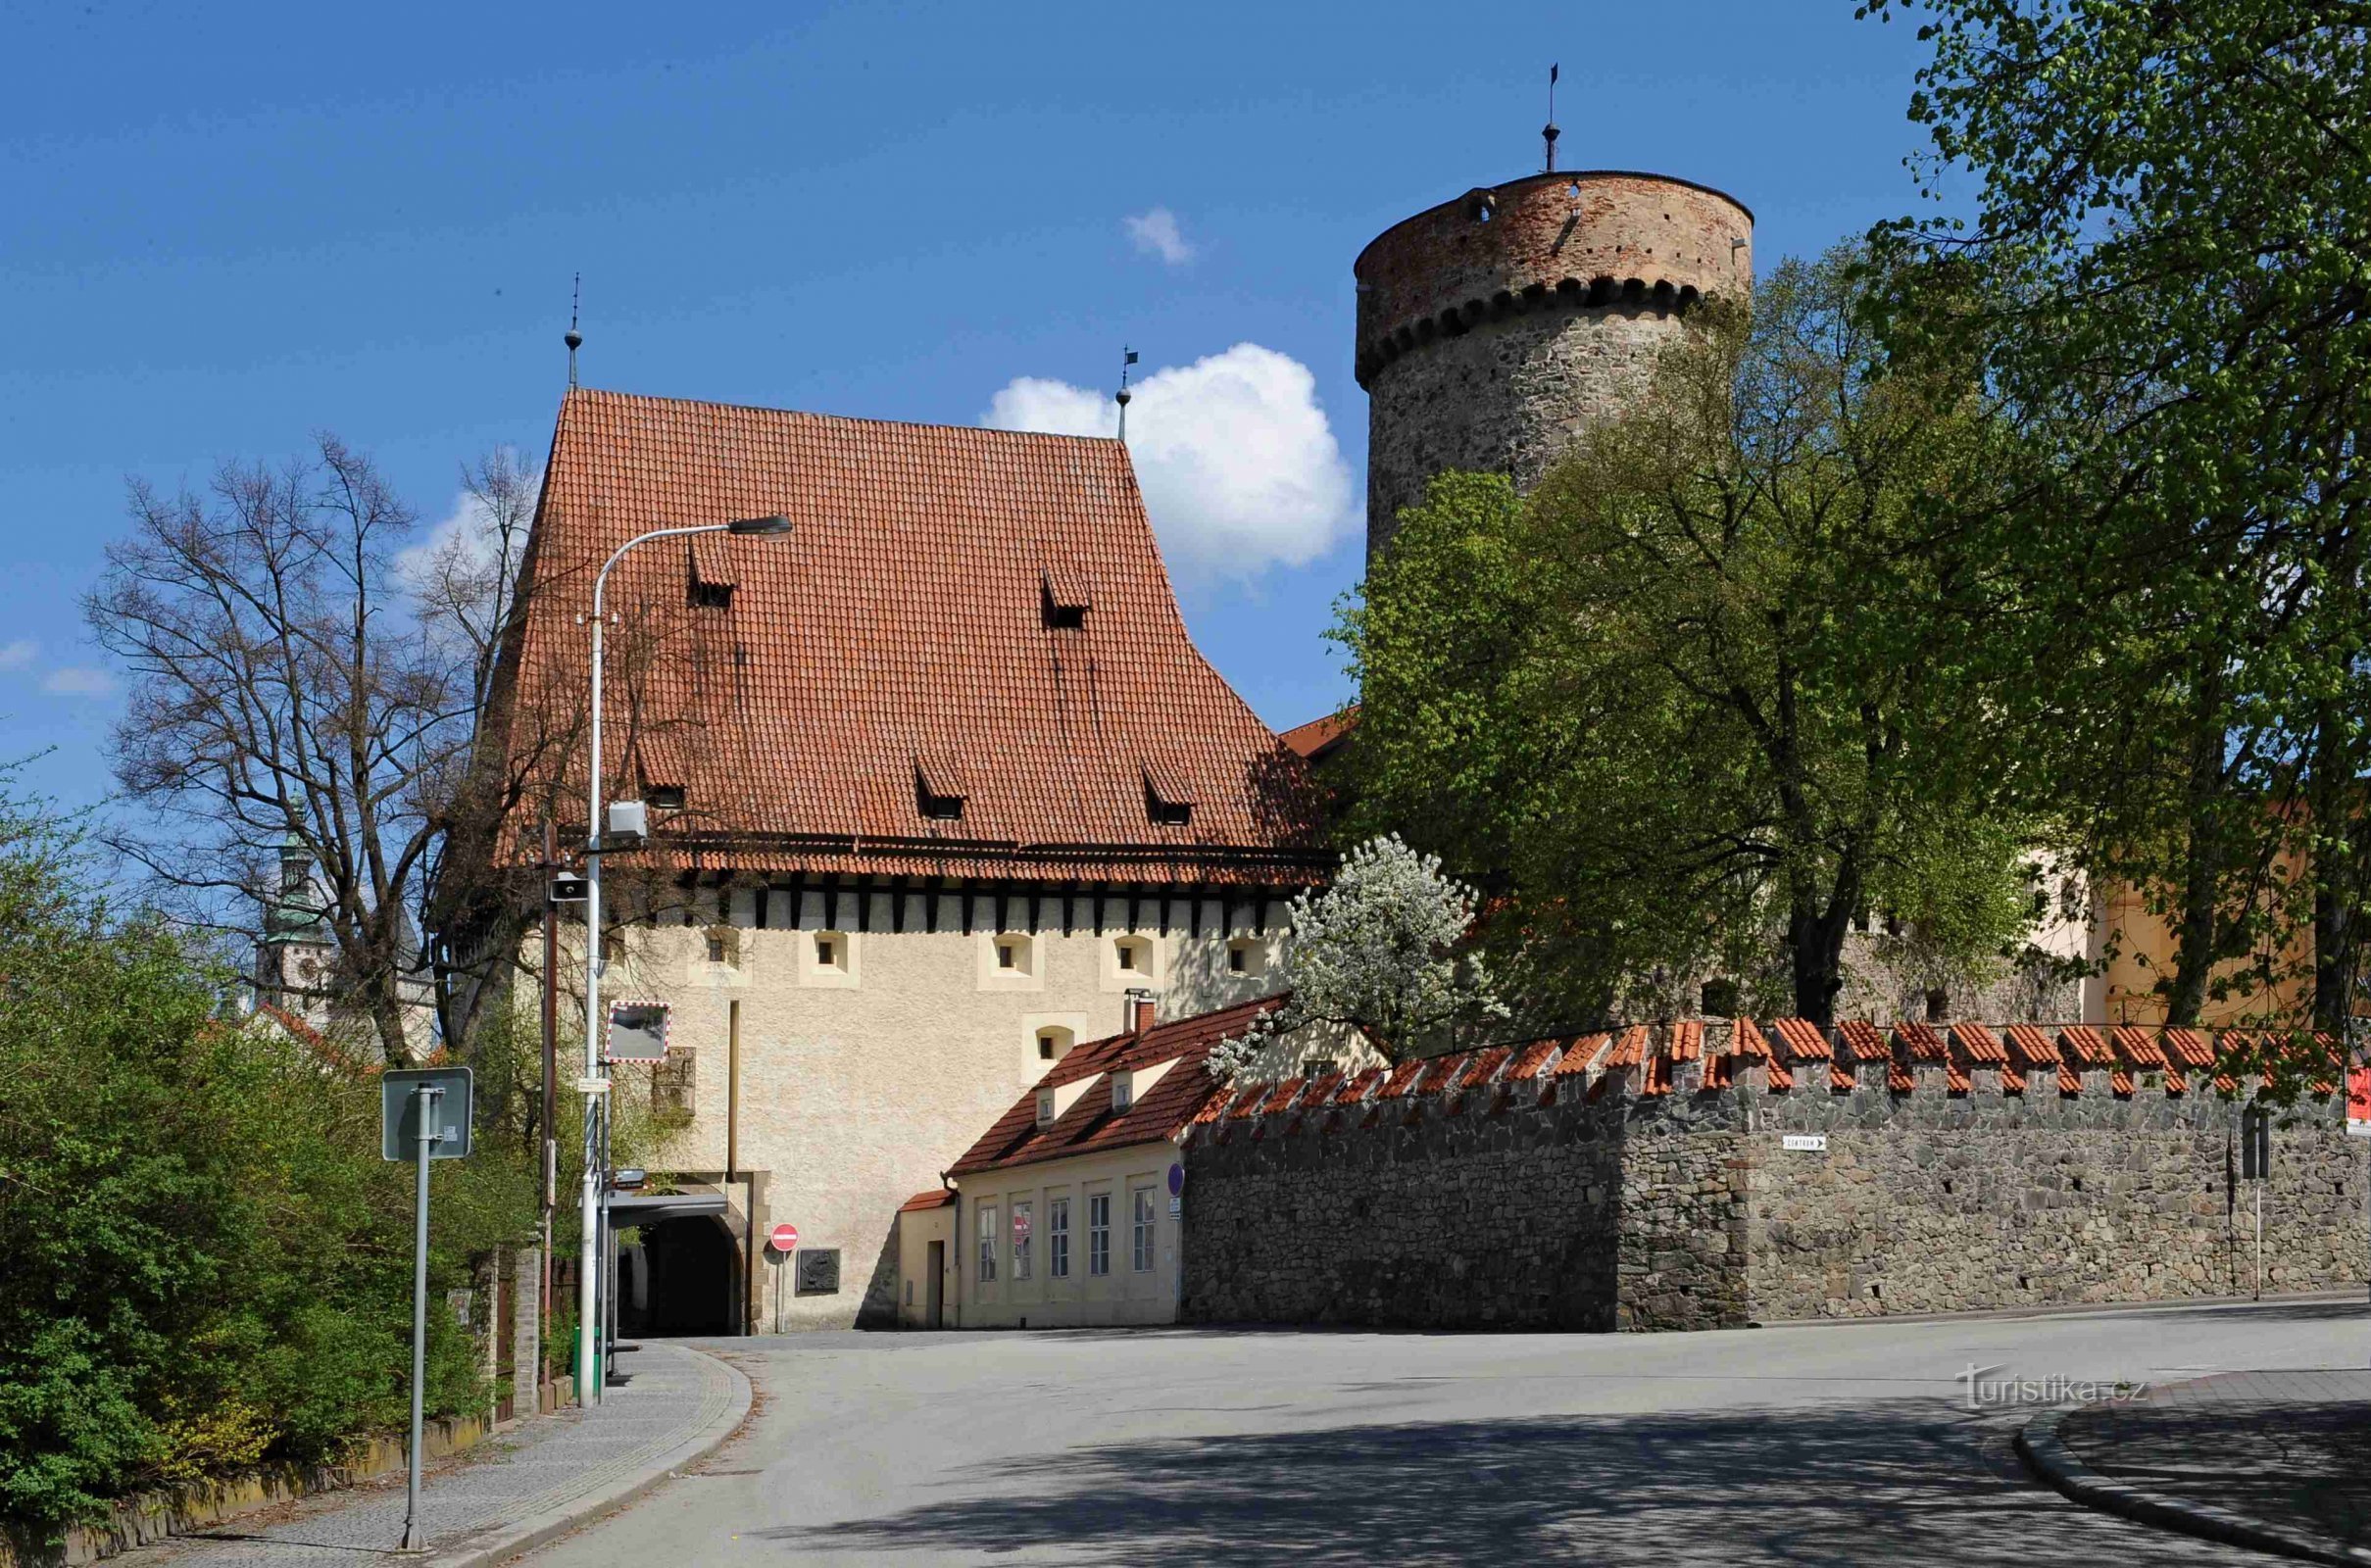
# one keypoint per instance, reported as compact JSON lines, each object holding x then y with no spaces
{"x":507,"y":1494}
{"x":2272,"y":1459}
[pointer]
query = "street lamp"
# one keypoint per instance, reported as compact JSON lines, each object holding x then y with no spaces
{"x":587,"y":1303}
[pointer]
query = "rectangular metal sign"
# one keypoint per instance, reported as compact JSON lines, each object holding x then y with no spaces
{"x":2358,"y":1102}
{"x":1805,"y":1142}
{"x":399,"y":1112}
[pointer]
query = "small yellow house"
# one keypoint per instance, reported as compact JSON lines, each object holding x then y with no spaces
{"x":1066,"y":1211}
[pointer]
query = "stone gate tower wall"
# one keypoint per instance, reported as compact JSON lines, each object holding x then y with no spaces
{"x":1495,"y":328}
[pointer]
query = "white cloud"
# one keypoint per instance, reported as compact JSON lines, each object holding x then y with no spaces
{"x":1240,"y":469}
{"x":1156,"y":233}
{"x":19,"y":654}
{"x":77,"y":680}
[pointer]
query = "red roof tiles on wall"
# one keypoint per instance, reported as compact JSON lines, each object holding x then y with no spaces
{"x":2134,"y":1045}
{"x":1864,"y":1040}
{"x":2030,"y":1044}
{"x":1687,"y":1040}
{"x":1805,"y":1040}
{"x":2086,"y":1044}
{"x":1923,"y":1041}
{"x":1979,"y":1045}
{"x":905,"y":614}
{"x":2188,"y":1048}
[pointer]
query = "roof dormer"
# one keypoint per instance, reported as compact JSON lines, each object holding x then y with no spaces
{"x":714,"y":578}
{"x":1169,"y":792}
{"x":1066,"y":598}
{"x":939,"y":789}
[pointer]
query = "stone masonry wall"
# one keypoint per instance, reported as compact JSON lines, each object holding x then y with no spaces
{"x":1442,"y":1213}
{"x":1603,"y":1182}
{"x":1943,"y":1204}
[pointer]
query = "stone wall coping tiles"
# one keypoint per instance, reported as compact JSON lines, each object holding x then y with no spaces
{"x":1977,"y":1044}
{"x":2134,"y":1045}
{"x":1803,"y":1039}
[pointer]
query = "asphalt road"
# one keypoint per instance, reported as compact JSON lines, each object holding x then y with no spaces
{"x":1805,"y":1444}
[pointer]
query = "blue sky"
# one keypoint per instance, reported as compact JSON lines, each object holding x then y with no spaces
{"x":223,"y":227}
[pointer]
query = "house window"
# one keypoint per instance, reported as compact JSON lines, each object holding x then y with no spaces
{"x":1007,"y":955}
{"x":1318,"y":1067}
{"x":1937,"y":1006}
{"x":1127,"y":955}
{"x":831,"y":951}
{"x":664,"y":797}
{"x":1022,"y":1220}
{"x":1098,"y":1234}
{"x":1123,"y":1092}
{"x":1719,"y":999}
{"x":1057,"y":1237}
{"x":1236,"y":958}
{"x":1052,"y":1044}
{"x":987,"y":1243}
{"x":1044,"y":1107}
{"x":719,"y":951}
{"x":1139,"y":1238}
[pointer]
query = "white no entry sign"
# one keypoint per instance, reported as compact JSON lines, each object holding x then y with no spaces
{"x":782,"y":1237}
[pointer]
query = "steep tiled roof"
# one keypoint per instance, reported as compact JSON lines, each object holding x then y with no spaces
{"x":923,"y":1202}
{"x":1321,"y":738}
{"x":1182,"y":1095}
{"x":1804,"y":1041}
{"x":906,"y":623}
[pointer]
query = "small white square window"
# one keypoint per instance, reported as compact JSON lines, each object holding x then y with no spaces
{"x":827,"y":951}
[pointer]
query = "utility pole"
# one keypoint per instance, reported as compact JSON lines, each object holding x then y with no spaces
{"x":546,"y":1301}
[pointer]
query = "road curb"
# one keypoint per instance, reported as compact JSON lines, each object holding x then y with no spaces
{"x":2040,"y":1446}
{"x":525,"y":1534}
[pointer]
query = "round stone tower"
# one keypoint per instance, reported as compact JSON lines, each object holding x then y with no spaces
{"x":1495,"y":328}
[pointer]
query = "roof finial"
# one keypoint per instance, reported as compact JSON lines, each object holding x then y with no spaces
{"x":1122,"y":397}
{"x":575,"y":339}
{"x":1548,"y":131}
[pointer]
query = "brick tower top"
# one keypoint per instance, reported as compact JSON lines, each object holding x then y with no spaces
{"x":1591,"y":238}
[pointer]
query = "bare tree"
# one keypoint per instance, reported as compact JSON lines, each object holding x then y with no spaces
{"x":307,"y":673}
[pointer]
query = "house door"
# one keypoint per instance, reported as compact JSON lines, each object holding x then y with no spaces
{"x":933,"y":1301}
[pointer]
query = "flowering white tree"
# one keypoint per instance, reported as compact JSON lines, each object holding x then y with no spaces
{"x":1377,"y":952}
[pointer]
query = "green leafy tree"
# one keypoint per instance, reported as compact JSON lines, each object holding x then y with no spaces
{"x":208,"y":1264}
{"x":2166,"y":276}
{"x":1697,"y":703}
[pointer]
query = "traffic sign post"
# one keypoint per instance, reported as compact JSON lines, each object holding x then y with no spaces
{"x":424,"y":1115}
{"x":781,"y":1241}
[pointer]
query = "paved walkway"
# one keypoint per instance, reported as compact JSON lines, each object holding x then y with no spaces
{"x":511,"y":1492}
{"x":2272,"y":1459}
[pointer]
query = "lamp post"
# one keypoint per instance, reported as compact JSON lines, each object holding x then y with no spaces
{"x":587,"y":1245}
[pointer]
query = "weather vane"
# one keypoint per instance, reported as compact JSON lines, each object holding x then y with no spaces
{"x":1122,"y":397}
{"x":1548,"y":130}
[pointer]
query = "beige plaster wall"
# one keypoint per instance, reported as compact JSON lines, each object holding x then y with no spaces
{"x":1042,"y":1300}
{"x":862,"y":1080}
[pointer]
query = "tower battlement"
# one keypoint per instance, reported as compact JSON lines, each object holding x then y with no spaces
{"x":1494,"y":329}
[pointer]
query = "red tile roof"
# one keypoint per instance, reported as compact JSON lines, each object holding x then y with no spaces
{"x":1531,"y":1058}
{"x":903,"y":620}
{"x":2086,"y":1044}
{"x":1864,"y":1040}
{"x":2135,"y":1046}
{"x":1321,"y":738}
{"x":1629,"y":1049}
{"x":2188,"y":1048}
{"x":1687,"y":1040}
{"x":1978,"y":1044}
{"x":1581,"y":1055}
{"x":1924,"y":1042}
{"x":1805,"y":1040}
{"x":1182,"y":1096}
{"x":923,"y":1202}
{"x":2029,"y":1045}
